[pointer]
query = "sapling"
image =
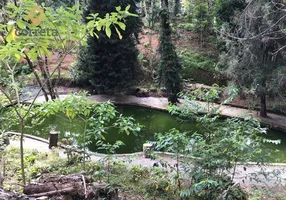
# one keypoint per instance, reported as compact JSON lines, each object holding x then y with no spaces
{"x":14,"y":48}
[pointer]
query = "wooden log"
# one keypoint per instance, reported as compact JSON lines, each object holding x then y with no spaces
{"x":6,"y":195}
{"x":66,"y":178}
{"x":77,"y":186}
{"x":70,"y":190}
{"x":53,"y":186}
{"x":54,"y":137}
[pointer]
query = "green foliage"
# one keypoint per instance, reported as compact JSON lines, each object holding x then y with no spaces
{"x":74,"y":155}
{"x":225,"y":10}
{"x":254,"y":56}
{"x":58,"y":22}
{"x":199,"y":16}
{"x":58,"y":29}
{"x":198,"y":60}
{"x":174,"y":141}
{"x":138,"y":173}
{"x":36,"y":163}
{"x":97,"y":117}
{"x":169,"y":68}
{"x":109,"y":148}
{"x":59,"y":3}
{"x":199,"y":67}
{"x":215,"y":149}
{"x":110,"y":64}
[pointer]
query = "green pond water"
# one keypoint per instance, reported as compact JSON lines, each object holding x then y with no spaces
{"x":154,"y":122}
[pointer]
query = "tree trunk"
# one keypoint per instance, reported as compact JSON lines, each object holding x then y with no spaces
{"x":263,"y":109}
{"x":46,"y":76}
{"x":177,"y":7}
{"x":49,"y":81}
{"x":40,"y":84}
{"x":22,"y":150}
{"x":37,"y":77}
{"x":77,"y":4}
{"x":146,"y":12}
{"x":4,"y":194}
{"x":152,"y":15}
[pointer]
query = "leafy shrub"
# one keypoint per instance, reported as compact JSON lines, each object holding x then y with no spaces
{"x":137,"y":173}
{"x":215,"y":149}
{"x":188,"y":27}
{"x":279,"y":107}
{"x":199,"y":67}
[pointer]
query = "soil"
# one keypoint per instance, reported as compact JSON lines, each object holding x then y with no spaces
{"x":148,"y":37}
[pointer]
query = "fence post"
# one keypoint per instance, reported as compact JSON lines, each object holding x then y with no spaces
{"x":54,"y":137}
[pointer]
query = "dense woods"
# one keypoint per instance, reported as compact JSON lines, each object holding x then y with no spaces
{"x":217,"y":67}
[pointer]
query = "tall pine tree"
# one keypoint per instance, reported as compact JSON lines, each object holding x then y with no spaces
{"x":110,"y":65}
{"x":170,"y":68}
{"x":257,"y":49}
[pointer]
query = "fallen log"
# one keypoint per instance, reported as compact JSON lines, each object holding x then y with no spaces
{"x":65,"y":178}
{"x":6,"y":195}
{"x":69,"y":191}
{"x":76,"y":186}
{"x":53,"y":186}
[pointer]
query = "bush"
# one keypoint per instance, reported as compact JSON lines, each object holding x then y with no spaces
{"x":199,"y":67}
{"x":215,"y":149}
{"x":138,"y":173}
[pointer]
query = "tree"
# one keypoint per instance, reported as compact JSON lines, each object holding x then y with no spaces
{"x":14,"y":49}
{"x":110,"y":64}
{"x":224,"y":10}
{"x":199,"y":15}
{"x":41,"y":38}
{"x":256,"y":53}
{"x":177,"y":7}
{"x":212,"y":153}
{"x":169,"y":68}
{"x":97,"y":118}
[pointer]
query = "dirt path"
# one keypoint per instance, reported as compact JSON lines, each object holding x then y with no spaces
{"x":247,"y":175}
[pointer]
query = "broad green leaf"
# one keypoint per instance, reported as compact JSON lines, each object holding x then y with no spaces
{"x":108,"y":31}
{"x":118,"y":8}
{"x":17,"y":56}
{"x":127,"y":132}
{"x":9,"y":37}
{"x":122,"y":25}
{"x":118,"y":32}
{"x":20,"y":24}
{"x":127,"y":7}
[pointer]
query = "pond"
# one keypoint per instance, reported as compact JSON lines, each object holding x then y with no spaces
{"x":154,"y":122}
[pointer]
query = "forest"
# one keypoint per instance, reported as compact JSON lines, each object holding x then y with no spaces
{"x":143,"y":99}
